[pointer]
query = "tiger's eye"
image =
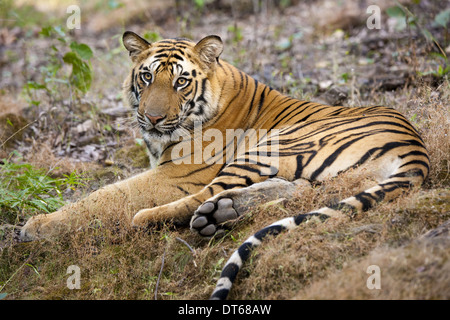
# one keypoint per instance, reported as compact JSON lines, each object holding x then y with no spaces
{"x":147,"y":76}
{"x":181,"y":81}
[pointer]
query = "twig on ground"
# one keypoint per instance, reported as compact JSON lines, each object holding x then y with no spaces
{"x":162,"y":264}
{"x":160,"y":272}
{"x":190,"y":248}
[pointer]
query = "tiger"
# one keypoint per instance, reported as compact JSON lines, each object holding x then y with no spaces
{"x":177,"y":88}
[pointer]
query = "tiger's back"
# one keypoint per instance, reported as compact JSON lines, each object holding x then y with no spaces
{"x":318,"y":129}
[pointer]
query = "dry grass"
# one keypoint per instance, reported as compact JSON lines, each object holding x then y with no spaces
{"x":414,"y":271}
{"x":320,"y":252}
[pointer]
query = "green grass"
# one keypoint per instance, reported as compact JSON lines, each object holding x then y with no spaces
{"x":26,"y":190}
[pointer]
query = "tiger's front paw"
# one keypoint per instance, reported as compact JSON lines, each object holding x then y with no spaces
{"x":212,"y":216}
{"x":144,"y":218}
{"x":39,"y":227}
{"x":176,"y":212}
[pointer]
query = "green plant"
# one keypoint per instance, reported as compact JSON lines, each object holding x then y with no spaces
{"x":113,"y":4}
{"x":236,"y":33}
{"x":26,"y":189}
{"x":440,"y":72}
{"x":53,"y":73}
{"x":404,"y":17}
{"x":401,"y":19}
{"x":443,"y":67}
{"x":199,"y":4}
{"x":344,"y":77}
{"x":442,"y":18}
{"x":152,"y":36}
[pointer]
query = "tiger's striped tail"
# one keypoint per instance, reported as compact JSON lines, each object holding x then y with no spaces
{"x":408,"y":174}
{"x":238,"y":258}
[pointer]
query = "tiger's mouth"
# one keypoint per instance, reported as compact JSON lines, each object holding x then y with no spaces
{"x":180,"y":125}
{"x":148,"y":127}
{"x":173,"y":130}
{"x":158,"y":131}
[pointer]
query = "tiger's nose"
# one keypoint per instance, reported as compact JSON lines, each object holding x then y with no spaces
{"x":154,"y":119}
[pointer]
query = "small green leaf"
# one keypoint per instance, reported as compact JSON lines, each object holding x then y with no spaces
{"x":59,"y":31}
{"x":442,"y":18}
{"x":83,"y":50}
{"x":81,"y":75}
{"x":395,"y":12}
{"x":399,"y":15}
{"x":344,"y":77}
{"x":112,"y":4}
{"x":35,"y":86}
{"x":139,"y":141}
{"x":199,"y":3}
{"x":284,"y":44}
{"x":446,"y":70}
{"x":152,"y":36}
{"x":427,"y":34}
{"x":34,"y":268}
{"x":46,"y":31}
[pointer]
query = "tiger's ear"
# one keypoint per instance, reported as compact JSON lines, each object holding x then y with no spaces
{"x":134,"y":44}
{"x":209,"y":49}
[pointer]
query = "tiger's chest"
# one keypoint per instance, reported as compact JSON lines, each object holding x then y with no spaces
{"x":155,"y":148}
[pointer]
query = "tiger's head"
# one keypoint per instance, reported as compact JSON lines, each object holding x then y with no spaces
{"x":171,"y":85}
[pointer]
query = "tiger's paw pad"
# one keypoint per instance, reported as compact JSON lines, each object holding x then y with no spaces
{"x":211,"y":216}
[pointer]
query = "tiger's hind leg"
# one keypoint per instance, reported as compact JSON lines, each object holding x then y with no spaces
{"x":216,"y":213}
{"x":410,"y":172}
